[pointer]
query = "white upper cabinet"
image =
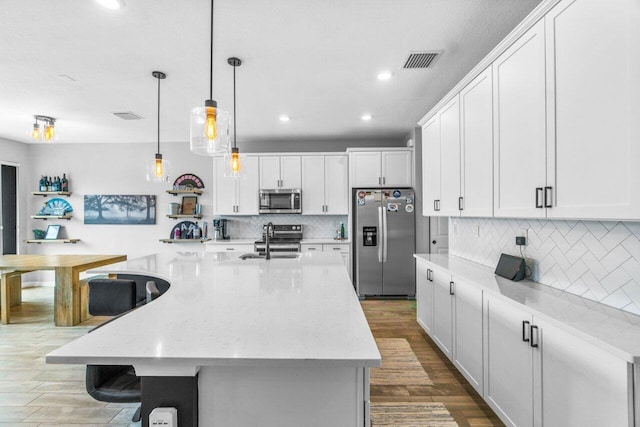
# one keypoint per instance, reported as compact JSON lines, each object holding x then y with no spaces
{"x":431,"y":166}
{"x":236,"y":196}
{"x":519,"y":99}
{"x":476,"y":145}
{"x":325,"y":187}
{"x":397,"y":168}
{"x":593,"y":65}
{"x":450,"y":159}
{"x":381,"y":168}
{"x":280,"y":172}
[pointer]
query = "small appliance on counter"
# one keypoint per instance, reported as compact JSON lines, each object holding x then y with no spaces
{"x":286,"y":238}
{"x":220,"y":229}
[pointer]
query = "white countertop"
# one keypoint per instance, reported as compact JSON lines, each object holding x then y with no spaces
{"x":616,"y":331}
{"x":223,"y":311}
{"x":251,"y":241}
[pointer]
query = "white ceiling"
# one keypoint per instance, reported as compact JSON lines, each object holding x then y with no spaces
{"x":314,"y":60}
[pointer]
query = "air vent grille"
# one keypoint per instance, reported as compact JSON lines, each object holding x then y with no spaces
{"x":128,"y":115}
{"x":421,"y":59}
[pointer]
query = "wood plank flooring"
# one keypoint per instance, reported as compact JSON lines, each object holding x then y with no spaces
{"x":34,"y":394}
{"x":397,"y":319}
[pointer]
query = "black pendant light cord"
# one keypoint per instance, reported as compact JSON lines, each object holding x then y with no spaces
{"x":211,"y":57}
{"x":234,"y":106}
{"x":158,"y":115}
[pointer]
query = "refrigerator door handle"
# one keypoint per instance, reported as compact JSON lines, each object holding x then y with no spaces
{"x":380,"y":234}
{"x":384,"y":234}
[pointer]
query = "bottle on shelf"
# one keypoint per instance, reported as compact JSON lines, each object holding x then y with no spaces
{"x":176,"y":233}
{"x":64,"y":184}
{"x":196,"y":231}
{"x":43,"y":183}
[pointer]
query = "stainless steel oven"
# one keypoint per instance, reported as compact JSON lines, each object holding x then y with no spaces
{"x":280,"y":201}
{"x":286,"y":238}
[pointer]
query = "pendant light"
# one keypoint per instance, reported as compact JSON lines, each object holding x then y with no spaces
{"x":209,"y":124}
{"x":49,"y":128}
{"x":158,"y":169}
{"x":234,"y":161}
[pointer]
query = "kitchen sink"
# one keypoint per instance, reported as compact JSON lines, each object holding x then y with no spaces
{"x":255,"y":255}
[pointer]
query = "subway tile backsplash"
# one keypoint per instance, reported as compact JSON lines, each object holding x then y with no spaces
{"x":315,"y":226}
{"x":598,"y":260}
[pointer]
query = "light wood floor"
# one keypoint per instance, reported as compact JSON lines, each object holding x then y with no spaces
{"x":33,"y":393}
{"x":397,"y":319}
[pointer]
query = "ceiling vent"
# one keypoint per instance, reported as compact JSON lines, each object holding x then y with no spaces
{"x":421,"y":59}
{"x":128,"y":115}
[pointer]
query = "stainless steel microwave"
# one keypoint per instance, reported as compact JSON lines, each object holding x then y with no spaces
{"x":281,"y":201}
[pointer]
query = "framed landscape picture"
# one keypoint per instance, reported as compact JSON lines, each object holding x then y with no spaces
{"x":119,"y":209}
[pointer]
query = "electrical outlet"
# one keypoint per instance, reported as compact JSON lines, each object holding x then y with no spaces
{"x":520,"y":240}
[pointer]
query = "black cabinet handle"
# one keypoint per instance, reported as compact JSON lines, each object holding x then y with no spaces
{"x":539,"y":198}
{"x":525,"y":323}
{"x":438,"y":204}
{"x":428,"y":274}
{"x":548,"y":203}
{"x":460,"y":203}
{"x":435,"y":206}
{"x":451,"y":288}
{"x":534,"y":344}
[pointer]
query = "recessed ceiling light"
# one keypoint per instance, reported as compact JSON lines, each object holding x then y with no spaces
{"x":385,"y":75}
{"x":366,"y":117}
{"x":284,"y":118}
{"x":111,"y":4}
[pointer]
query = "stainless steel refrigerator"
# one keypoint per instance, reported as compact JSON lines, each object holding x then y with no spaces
{"x":384,"y":229}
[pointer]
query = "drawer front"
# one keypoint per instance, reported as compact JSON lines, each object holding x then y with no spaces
{"x":343,"y":249}
{"x":311,"y":248}
{"x":230,"y":248}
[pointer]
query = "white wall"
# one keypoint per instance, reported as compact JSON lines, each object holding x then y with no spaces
{"x":17,"y":153}
{"x":598,"y":260}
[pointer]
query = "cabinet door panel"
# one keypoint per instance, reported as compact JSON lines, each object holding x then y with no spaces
{"x":468,"y":332}
{"x":269,"y":172}
{"x":225,"y":190}
{"x":364,"y":169}
{"x":450,"y":158}
{"x":520,"y":114}
{"x":424,"y":298}
{"x":476,"y":141}
{"x":290,"y":172}
{"x":582,"y":385}
{"x":508,"y":382}
{"x":248,"y":188}
{"x":397,"y":169}
{"x":595,"y":112}
{"x":313,"y":185}
{"x":430,"y":166}
{"x":336,"y":184}
{"x":443,"y":312}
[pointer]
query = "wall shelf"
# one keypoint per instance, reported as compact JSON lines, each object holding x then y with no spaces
{"x":184,"y":240}
{"x":184,"y":216}
{"x":46,"y":217}
{"x":38,"y":241}
{"x":51,"y":193}
{"x":193,"y":191}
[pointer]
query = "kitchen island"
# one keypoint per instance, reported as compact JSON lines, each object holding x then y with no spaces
{"x":271,"y":343}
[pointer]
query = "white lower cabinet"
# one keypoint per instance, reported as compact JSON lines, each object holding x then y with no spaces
{"x":239,"y":248}
{"x":443,"y":311}
{"x":467,"y":331}
{"x":343,"y":250}
{"x":424,"y":297}
{"x":531,"y":370}
{"x":508,"y":381}
{"x":580,"y":384}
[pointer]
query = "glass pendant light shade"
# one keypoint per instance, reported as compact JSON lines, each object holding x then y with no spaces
{"x":158,"y":169}
{"x":48,"y":131}
{"x":209,"y":130}
{"x":233,"y":164}
{"x":35,"y":133}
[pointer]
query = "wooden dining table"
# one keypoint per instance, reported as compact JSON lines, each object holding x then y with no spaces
{"x":67,"y":307}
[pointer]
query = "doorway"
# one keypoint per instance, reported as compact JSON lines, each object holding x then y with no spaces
{"x":9,"y":209}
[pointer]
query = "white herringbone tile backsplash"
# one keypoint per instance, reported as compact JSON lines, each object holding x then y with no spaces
{"x":598,"y":260}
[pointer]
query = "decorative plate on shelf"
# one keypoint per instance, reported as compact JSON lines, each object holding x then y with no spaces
{"x":56,"y":206}
{"x":186,"y":229}
{"x":188,"y":181}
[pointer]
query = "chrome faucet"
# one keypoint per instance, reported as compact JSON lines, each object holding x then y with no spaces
{"x":268,"y":235}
